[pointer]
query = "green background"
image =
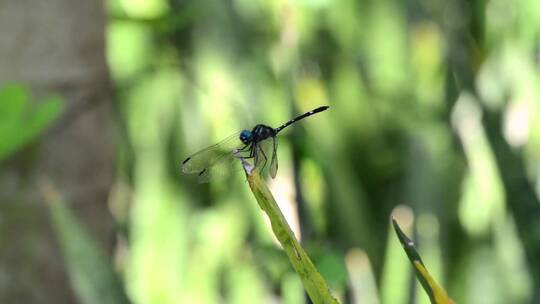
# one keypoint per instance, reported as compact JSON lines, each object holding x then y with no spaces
{"x":433,"y":119}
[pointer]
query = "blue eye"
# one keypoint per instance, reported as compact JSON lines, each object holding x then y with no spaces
{"x":245,"y":136}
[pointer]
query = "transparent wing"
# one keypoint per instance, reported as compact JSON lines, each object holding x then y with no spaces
{"x":265,"y":157}
{"x":222,"y":168}
{"x":214,"y":161}
{"x":274,"y":161}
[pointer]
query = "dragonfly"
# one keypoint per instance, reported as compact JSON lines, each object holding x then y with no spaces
{"x":258,"y":144}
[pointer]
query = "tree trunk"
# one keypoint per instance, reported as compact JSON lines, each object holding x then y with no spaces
{"x":54,"y":46}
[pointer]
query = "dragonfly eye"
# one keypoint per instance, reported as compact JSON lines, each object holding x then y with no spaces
{"x":246,"y":137}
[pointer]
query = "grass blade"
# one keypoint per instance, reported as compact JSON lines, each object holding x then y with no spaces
{"x":313,"y":282}
{"x":91,"y":275}
{"x":436,"y":294}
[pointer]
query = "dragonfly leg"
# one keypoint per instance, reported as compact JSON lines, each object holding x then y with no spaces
{"x":237,"y":151}
{"x":252,"y":152}
{"x":243,"y":149}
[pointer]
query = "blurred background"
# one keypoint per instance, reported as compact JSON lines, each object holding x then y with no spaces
{"x":433,"y":119}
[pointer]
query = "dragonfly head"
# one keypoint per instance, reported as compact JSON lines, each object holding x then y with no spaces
{"x":246,"y":137}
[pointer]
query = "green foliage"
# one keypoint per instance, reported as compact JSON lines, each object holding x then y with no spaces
{"x":22,"y":120}
{"x":90,"y":272}
{"x":410,"y":84}
{"x":434,"y":106}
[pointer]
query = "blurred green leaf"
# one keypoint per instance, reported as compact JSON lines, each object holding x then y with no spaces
{"x":331,"y":264}
{"x":90,"y":272}
{"x":436,"y":294}
{"x":22,"y":121}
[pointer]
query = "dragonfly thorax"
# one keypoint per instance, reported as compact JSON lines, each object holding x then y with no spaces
{"x":262,"y":132}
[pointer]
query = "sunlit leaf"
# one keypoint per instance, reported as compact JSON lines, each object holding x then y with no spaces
{"x":436,"y":294}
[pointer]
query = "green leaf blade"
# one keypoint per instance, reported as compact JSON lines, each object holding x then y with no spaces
{"x":20,"y":120}
{"x":91,"y":274}
{"x":436,"y":294}
{"x":314,"y":284}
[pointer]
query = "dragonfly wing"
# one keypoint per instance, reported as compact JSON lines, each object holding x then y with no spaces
{"x":214,"y":160}
{"x":224,"y":166}
{"x":220,"y":169}
{"x":274,"y":161}
{"x":265,"y":156}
